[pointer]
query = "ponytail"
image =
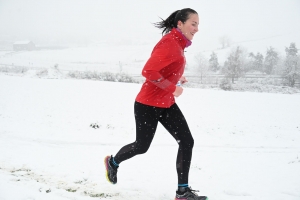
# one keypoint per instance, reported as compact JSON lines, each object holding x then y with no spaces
{"x":171,"y":22}
{"x":167,"y":24}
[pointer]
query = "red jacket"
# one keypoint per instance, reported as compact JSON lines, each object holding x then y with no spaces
{"x":163,"y":70}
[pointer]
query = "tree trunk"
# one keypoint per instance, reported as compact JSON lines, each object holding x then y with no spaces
{"x":293,"y":80}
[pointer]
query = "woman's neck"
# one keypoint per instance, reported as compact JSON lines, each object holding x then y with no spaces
{"x":188,"y":42}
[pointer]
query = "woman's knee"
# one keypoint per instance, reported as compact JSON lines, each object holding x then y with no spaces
{"x":141,"y":149}
{"x":190,"y":143}
{"x":187,"y":142}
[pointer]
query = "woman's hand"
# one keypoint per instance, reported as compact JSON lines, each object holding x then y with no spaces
{"x":178,"y":91}
{"x":183,"y":80}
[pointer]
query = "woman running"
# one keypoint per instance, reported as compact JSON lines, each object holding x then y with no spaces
{"x":156,"y":103}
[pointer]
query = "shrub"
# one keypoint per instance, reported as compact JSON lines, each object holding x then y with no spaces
{"x":225,"y":84}
{"x":103,"y":76}
{"x":125,"y":78}
{"x":43,"y":72}
{"x":15,"y":69}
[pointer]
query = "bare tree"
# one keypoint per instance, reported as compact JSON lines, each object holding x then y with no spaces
{"x":201,"y":65}
{"x":213,"y":62}
{"x":225,"y":41}
{"x":233,"y":65}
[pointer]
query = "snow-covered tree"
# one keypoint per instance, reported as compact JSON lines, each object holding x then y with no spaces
{"x":233,"y":64}
{"x":256,"y":62}
{"x":292,"y":65}
{"x":213,"y":62}
{"x":271,"y":61}
{"x":201,"y":65}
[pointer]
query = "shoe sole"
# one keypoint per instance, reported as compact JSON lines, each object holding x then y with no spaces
{"x":106,"y":169}
{"x":186,"y":199}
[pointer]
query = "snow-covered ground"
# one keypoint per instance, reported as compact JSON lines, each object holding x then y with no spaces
{"x":104,"y":57}
{"x":247,"y":145}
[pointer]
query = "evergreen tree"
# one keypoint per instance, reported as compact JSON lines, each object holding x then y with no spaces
{"x":213,"y":62}
{"x":250,"y":62}
{"x":292,"y":65}
{"x":233,"y":64}
{"x":271,"y":60}
{"x":256,"y":62}
{"x":259,"y":62}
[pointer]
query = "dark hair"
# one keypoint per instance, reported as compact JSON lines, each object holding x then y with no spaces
{"x":172,"y":20}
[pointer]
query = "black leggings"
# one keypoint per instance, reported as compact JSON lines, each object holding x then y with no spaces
{"x":147,"y":118}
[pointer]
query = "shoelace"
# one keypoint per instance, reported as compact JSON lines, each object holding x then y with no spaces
{"x":194,"y":191}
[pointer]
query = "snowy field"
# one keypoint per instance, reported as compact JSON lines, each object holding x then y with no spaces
{"x":247,"y":145}
{"x":91,"y":58}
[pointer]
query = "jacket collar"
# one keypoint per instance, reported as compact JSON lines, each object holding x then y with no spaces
{"x":184,"y":42}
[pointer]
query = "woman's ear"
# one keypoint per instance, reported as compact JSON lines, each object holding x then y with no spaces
{"x":179,"y":24}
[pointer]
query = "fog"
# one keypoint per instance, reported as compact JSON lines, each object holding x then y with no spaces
{"x":130,"y":22}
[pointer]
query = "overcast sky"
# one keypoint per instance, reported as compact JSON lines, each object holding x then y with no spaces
{"x":130,"y":20}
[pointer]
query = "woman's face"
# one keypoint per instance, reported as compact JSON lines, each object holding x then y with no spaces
{"x":190,"y":27}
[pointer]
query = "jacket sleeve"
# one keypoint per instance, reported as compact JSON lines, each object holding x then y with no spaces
{"x":160,"y":58}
